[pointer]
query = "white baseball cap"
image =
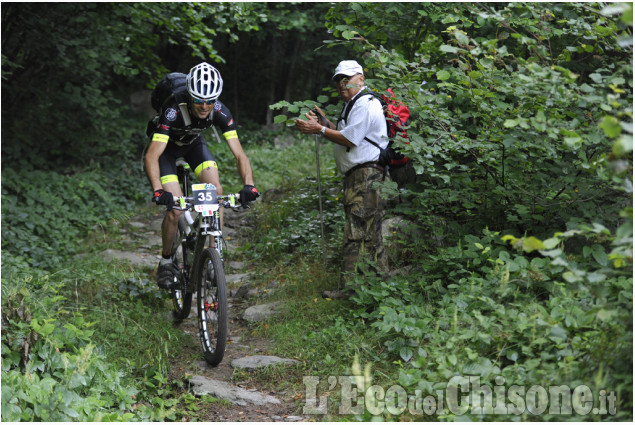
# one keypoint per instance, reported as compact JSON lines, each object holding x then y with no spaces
{"x":348,"y":68}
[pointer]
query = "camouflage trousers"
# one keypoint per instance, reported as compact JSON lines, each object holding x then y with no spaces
{"x":364,"y":208}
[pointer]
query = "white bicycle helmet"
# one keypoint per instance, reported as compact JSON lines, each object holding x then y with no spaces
{"x":204,"y":82}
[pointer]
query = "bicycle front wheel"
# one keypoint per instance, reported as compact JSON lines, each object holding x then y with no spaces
{"x":181,"y":293}
{"x":212,"y":306}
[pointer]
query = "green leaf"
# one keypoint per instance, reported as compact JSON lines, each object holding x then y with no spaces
{"x":600,"y":255}
{"x":532,"y":244}
{"x":443,"y":75}
{"x":573,"y":142}
{"x":551,"y":243}
{"x":448,"y":49}
{"x":406,"y":353}
{"x":557,"y":334}
{"x":348,"y":34}
{"x":623,"y":145}
{"x":509,"y":123}
{"x":611,"y":126}
{"x":279,"y":119}
{"x":605,"y":315}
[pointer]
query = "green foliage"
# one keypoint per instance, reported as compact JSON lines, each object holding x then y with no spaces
{"x":105,"y":48}
{"x":46,"y":214}
{"x":51,"y":371}
{"x":66,"y":352}
{"x":481,"y":309}
{"x":521,"y":123}
{"x":291,"y":225}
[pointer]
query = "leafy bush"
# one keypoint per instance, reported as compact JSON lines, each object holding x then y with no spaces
{"x":292,"y":224}
{"x":45,"y":214}
{"x":51,"y":371}
{"x":479,"y":308}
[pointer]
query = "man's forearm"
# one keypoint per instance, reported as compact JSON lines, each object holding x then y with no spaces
{"x":244,"y":168}
{"x":336,"y":136}
{"x":154,"y":176}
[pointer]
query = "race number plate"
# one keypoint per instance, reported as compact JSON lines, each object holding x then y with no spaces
{"x":205,"y":198}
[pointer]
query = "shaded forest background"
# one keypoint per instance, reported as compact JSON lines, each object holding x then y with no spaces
{"x":519,"y":239}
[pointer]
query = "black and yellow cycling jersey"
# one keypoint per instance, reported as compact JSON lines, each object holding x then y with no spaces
{"x":181,"y":131}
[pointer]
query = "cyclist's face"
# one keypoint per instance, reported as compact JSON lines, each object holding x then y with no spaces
{"x":202,"y":110}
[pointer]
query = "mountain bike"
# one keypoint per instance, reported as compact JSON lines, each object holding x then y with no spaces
{"x":198,"y":256}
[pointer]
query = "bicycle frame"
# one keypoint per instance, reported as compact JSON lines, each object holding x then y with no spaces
{"x":206,"y":224}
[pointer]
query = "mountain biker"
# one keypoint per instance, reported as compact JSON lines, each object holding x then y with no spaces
{"x":357,"y":161}
{"x":178,"y":134}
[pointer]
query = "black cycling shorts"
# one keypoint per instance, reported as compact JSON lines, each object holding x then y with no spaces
{"x":196,"y":154}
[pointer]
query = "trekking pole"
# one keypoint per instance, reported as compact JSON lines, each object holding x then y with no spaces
{"x":319,"y":179}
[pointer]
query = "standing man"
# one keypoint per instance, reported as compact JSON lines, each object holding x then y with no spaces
{"x":178,"y":135}
{"x":357,"y":159}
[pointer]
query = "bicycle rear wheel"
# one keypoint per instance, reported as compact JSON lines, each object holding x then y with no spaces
{"x":181,"y":294}
{"x":212,"y":306}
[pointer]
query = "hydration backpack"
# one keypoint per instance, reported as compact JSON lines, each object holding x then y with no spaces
{"x":391,"y":158}
{"x":172,"y":86}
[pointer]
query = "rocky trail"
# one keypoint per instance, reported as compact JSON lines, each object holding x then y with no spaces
{"x":242,"y":401}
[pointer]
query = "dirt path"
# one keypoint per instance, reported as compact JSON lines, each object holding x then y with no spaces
{"x":241,"y":344}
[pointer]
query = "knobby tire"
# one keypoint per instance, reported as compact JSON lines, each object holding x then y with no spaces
{"x":181,"y":294}
{"x":212,"y":306}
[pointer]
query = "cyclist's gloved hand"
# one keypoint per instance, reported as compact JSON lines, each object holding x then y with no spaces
{"x":161,"y":197}
{"x":248,"y":194}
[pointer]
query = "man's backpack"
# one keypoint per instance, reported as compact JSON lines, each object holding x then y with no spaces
{"x":171,"y":87}
{"x":391,"y":158}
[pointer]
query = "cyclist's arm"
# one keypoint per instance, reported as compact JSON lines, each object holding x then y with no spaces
{"x":223,"y":118}
{"x":152,"y":163}
{"x":242,"y":162}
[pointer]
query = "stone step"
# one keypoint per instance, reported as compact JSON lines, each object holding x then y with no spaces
{"x":201,"y":385}
{"x":255,"y":362}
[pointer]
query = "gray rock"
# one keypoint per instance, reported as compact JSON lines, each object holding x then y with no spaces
{"x":242,"y":291}
{"x":233,"y":278}
{"x":254,"y":362}
{"x":260,"y":313}
{"x":236,"y":265}
{"x":272,"y":195}
{"x":236,"y":395}
{"x":135,"y":258}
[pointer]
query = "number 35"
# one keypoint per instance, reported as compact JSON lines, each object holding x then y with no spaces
{"x":205,"y":196}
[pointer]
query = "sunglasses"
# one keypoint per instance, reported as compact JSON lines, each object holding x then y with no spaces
{"x":200,"y":102}
{"x":339,"y":79}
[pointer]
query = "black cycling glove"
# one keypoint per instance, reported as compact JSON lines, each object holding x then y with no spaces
{"x":248,"y":194}
{"x":161,"y":197}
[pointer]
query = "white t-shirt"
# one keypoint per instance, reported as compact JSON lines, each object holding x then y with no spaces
{"x":366,"y":119}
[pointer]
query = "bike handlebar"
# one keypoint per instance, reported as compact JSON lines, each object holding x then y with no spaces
{"x":223,"y":200}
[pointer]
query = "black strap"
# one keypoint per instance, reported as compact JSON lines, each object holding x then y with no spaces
{"x":373,"y":143}
{"x":346,"y":110}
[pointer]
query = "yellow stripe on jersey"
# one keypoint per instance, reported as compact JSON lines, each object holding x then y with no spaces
{"x":169,"y":179}
{"x":204,"y":165}
{"x":231,"y":135}
{"x":158,"y":137}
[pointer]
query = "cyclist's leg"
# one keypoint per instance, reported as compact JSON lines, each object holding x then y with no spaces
{"x":170,"y":183}
{"x":204,"y":165}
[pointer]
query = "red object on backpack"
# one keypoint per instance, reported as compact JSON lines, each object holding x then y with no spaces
{"x":397,"y":115}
